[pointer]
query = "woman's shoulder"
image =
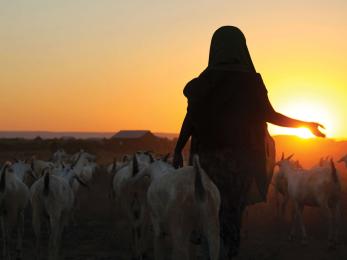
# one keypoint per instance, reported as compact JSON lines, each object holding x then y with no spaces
{"x":201,"y":85}
{"x":198,"y":86}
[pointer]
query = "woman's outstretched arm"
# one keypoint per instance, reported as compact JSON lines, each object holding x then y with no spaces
{"x":279,"y":119}
{"x":185,"y":133}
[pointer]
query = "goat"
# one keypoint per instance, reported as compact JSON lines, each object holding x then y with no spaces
{"x":112,"y":170}
{"x":126,"y":199}
{"x":22,"y":170}
{"x":135,"y":190}
{"x":52,"y":199}
{"x":115,"y":166}
{"x":324,"y":161}
{"x":317,"y":187}
{"x":281,"y":188}
{"x":184,"y":206}
{"x":138,"y":161}
{"x":88,"y":156}
{"x":60,"y":156}
{"x":78,"y":174}
{"x":37,"y":167}
{"x":14,"y":197}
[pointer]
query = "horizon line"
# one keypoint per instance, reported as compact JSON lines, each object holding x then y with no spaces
{"x":158,"y":132}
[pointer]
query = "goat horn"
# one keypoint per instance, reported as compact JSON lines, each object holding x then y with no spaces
{"x":166,"y":157}
{"x":290,"y":156}
{"x":341,"y":159}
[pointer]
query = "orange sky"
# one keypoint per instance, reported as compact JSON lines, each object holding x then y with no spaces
{"x":109,"y":65}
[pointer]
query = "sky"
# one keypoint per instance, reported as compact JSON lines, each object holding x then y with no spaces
{"x":107,"y":65}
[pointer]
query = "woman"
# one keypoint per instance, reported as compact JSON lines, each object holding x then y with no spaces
{"x":226,"y":117}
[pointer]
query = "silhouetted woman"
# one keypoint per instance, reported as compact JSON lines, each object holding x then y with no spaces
{"x":226,"y":117}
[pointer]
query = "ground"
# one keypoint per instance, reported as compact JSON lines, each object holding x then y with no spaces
{"x":101,"y":234}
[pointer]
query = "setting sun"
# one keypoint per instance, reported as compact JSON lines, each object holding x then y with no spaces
{"x":303,"y":133}
{"x":305,"y":107}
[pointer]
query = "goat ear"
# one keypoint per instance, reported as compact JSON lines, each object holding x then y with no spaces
{"x":43,"y":171}
{"x":3,"y":178}
{"x":341,"y":159}
{"x":282,"y":158}
{"x":46,"y":183}
{"x":290,"y":156}
{"x":135,"y":165}
{"x":125,"y":158}
{"x":151,"y":159}
{"x":166,"y":157}
{"x":114,"y":165}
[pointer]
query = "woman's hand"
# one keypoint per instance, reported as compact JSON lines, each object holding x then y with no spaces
{"x":314,"y":128}
{"x":177,"y":160}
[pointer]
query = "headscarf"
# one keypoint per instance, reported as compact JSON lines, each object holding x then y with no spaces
{"x":229,"y":50}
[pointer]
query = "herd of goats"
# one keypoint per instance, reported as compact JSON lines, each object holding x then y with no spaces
{"x":166,"y":208}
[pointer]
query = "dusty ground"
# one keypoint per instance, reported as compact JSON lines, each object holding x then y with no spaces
{"x":268,"y":237}
{"x":101,"y":234}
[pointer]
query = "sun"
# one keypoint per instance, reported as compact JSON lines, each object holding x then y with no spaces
{"x":303,"y":133}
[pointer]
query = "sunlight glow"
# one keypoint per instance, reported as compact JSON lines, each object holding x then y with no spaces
{"x":104,"y":66}
{"x":303,"y":133}
{"x":311,"y":111}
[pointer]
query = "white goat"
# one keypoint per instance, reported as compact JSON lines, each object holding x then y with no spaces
{"x":129,"y":169}
{"x":136,"y":192}
{"x":78,"y":174}
{"x":14,"y":197}
{"x":22,"y":169}
{"x":184,"y":206}
{"x":127,"y":198}
{"x":317,"y":187}
{"x":88,"y":156}
{"x":322,"y":162}
{"x":280,"y":184}
{"x":112,"y":170}
{"x":115,"y":166}
{"x":37,"y":167}
{"x":52,"y":199}
{"x":60,"y":156}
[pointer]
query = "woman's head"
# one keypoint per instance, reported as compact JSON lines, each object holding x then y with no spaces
{"x":229,"y":48}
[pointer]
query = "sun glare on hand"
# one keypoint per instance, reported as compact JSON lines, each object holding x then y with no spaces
{"x":303,"y":133}
{"x":307,"y":111}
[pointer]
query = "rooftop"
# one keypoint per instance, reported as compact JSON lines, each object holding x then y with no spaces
{"x":131,"y":134}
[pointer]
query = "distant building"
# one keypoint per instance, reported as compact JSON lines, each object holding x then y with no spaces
{"x":133,"y":134}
